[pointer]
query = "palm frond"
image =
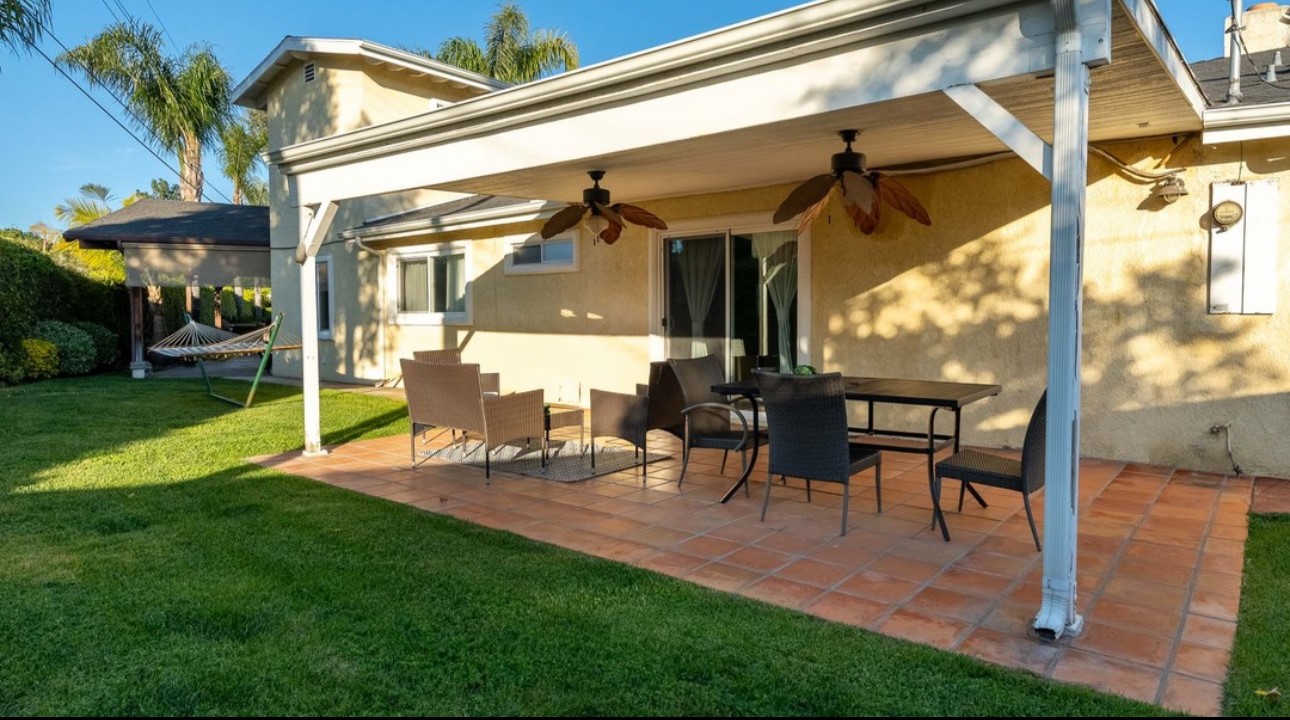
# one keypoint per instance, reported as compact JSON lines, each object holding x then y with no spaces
{"x":22,"y":22}
{"x":463,"y":53}
{"x":549,"y":52}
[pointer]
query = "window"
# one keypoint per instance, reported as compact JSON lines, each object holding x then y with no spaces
{"x":533,"y":255}
{"x":323,"y":269}
{"x":431,"y":287}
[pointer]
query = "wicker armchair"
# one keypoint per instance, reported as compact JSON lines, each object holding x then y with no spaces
{"x":1025,"y":476}
{"x":452,"y":396}
{"x":655,"y":406}
{"x":490,"y":382}
{"x":807,"y":415}
{"x":708,"y":416}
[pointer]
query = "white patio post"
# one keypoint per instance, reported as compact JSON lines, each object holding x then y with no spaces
{"x":1057,"y":614}
{"x":318,"y":222}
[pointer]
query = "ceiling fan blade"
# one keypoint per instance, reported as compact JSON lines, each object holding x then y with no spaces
{"x":611,"y":233}
{"x":609,"y":214}
{"x":866,"y":223}
{"x":859,"y":190}
{"x":899,"y":197}
{"x":563,"y":220}
{"x":811,"y":213}
{"x":803,"y":197}
{"x":640,"y":216}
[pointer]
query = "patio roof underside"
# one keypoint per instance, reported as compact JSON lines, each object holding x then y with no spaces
{"x":1132,"y":97}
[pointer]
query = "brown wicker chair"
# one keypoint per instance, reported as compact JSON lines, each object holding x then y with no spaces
{"x":490,"y":382}
{"x":451,"y":396}
{"x":807,"y":415}
{"x":707,"y":415}
{"x":1024,"y":476}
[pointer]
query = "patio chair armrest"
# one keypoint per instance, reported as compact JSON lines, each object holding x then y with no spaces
{"x":747,"y":432}
{"x":642,"y":389}
{"x":518,"y":415}
{"x":619,"y":415}
{"x":490,"y":382}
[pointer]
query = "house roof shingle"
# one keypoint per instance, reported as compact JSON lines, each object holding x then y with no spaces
{"x":1212,"y":75}
{"x":174,"y":222}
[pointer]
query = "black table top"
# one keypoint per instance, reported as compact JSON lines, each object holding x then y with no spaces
{"x":890,"y":390}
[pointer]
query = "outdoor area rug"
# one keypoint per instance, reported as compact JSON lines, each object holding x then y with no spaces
{"x":568,"y":461}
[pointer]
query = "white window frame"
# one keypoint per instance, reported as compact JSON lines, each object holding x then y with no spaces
{"x":542,"y":268}
{"x":429,"y":252}
{"x":320,"y":262}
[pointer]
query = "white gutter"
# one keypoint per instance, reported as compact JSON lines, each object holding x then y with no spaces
{"x":781,"y":37}
{"x":1237,"y":123}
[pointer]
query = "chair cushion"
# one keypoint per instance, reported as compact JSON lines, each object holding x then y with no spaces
{"x":982,"y":469}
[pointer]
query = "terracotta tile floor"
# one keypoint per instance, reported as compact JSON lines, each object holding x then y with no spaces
{"x":1160,"y":558}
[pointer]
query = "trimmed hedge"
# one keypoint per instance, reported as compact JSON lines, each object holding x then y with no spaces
{"x":33,"y":288}
{"x":106,"y":344}
{"x":40,"y":359}
{"x":75,"y":346}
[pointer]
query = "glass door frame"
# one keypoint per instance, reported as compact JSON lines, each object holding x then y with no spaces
{"x":728,"y":225}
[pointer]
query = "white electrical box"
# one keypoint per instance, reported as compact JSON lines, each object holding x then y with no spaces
{"x":1243,"y":238}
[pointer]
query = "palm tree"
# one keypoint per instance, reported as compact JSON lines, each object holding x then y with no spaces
{"x":183,"y":101}
{"x":241,"y":142}
{"x":511,"y":52}
{"x":91,"y":205}
{"x":22,"y":22}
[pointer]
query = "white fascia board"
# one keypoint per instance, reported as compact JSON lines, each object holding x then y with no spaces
{"x":533,"y":210}
{"x":867,"y":61}
{"x":1238,"y":123}
{"x":249,"y":92}
{"x":1146,"y":17}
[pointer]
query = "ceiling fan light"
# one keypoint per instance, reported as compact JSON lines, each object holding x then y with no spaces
{"x":596,"y":224}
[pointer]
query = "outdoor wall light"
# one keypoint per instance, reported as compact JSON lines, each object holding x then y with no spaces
{"x":1169,"y":189}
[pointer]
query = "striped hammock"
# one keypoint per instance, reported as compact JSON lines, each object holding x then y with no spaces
{"x":195,"y":340}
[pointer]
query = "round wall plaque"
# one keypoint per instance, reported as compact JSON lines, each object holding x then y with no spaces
{"x":1227,"y":213}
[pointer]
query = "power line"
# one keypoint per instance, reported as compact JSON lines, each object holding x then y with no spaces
{"x":162,"y":24}
{"x":117,"y":120}
{"x":110,"y":10}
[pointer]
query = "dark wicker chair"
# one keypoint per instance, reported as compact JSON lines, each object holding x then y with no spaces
{"x":807,"y":415}
{"x":708,"y":416}
{"x":1025,"y":476}
{"x":655,"y":406}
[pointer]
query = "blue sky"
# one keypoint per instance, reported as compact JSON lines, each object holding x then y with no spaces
{"x":53,"y":140}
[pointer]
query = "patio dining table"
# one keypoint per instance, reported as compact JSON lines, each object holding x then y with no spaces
{"x":936,"y":395}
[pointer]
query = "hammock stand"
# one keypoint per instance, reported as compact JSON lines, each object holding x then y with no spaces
{"x":195,"y":341}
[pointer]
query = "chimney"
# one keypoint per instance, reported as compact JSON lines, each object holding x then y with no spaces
{"x":1262,"y":28}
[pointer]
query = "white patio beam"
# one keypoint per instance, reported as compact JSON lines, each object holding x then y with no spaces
{"x":1005,"y":126}
{"x":562,"y":122}
{"x":315,"y":222}
{"x":1057,"y":615}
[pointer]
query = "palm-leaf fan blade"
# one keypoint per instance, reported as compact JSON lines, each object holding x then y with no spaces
{"x":610,"y":234}
{"x":858,"y":190}
{"x":563,"y":220}
{"x":898,"y":196}
{"x":865,"y":222}
{"x":813,"y":212}
{"x":609,"y":214}
{"x":803,"y":197}
{"x":640,"y":216}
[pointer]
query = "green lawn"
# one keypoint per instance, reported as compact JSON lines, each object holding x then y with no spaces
{"x":1261,"y":658}
{"x":146,"y":569}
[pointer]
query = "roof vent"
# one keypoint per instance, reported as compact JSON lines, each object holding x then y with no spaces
{"x":311,"y":72}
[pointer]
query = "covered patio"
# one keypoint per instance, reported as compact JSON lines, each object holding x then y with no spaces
{"x":1160,"y":554}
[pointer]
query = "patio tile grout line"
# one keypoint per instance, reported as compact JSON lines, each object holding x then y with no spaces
{"x":1191,"y":590}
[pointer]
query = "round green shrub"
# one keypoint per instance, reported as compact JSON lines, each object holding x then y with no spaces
{"x":75,"y":347}
{"x":13,"y":365}
{"x":40,"y":359}
{"x":106,"y":345}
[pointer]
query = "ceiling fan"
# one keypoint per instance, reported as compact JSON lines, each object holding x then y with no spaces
{"x":862,"y":190}
{"x":605,"y":221}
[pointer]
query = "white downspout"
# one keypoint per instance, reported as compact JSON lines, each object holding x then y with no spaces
{"x":1057,"y":615}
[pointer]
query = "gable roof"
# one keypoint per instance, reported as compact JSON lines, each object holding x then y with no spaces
{"x":251,"y":91}
{"x":1212,"y":76}
{"x":175,"y":222}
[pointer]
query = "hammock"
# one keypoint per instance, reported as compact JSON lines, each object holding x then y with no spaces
{"x":195,"y":341}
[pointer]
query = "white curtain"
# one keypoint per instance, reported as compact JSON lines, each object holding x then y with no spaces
{"x":778,"y":253}
{"x":700,"y":263}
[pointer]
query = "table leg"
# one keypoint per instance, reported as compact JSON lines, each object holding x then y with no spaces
{"x":756,"y":444}
{"x":937,"y":515}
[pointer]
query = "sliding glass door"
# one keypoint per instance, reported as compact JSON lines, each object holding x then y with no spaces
{"x":733,"y":295}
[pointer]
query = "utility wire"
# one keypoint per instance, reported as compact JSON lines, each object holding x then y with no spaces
{"x":162,"y":24}
{"x":117,"y":120}
{"x":110,"y":10}
{"x":1240,"y":40}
